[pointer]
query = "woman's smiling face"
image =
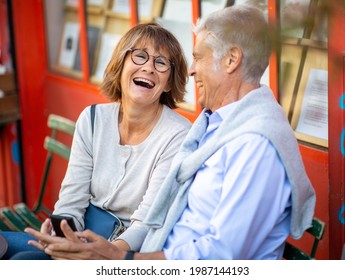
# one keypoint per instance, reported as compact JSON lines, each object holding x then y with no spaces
{"x":143,"y":84}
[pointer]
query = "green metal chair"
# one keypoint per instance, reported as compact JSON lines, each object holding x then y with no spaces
{"x":317,"y":230}
{"x":12,"y":220}
{"x":3,"y":226}
{"x":23,"y":216}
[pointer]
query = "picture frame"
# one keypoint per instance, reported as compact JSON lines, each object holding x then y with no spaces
{"x":69,"y":44}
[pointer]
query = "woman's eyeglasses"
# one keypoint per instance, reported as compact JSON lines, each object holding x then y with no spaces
{"x":140,"y":57}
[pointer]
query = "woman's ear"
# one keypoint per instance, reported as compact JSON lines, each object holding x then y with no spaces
{"x":234,"y":59}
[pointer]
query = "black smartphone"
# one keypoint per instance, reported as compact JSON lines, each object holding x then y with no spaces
{"x":56,"y":220}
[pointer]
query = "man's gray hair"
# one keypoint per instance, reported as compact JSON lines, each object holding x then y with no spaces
{"x":244,"y":26}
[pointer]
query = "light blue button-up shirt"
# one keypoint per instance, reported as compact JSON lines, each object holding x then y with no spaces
{"x":239,"y":204}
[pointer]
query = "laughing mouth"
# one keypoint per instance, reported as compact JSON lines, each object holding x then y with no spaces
{"x":199,"y":84}
{"x":144,"y":83}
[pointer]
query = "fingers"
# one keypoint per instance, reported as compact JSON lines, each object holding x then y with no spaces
{"x":52,"y":245}
{"x":73,"y":246}
{"x":46,"y":226}
{"x":44,"y":238}
{"x":60,"y":255}
{"x":89,"y":235}
{"x":39,"y":245}
{"x":66,"y":229}
{"x":57,"y":247}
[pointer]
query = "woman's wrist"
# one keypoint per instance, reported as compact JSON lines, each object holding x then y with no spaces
{"x":121,"y":245}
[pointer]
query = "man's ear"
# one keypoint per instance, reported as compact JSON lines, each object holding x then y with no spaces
{"x":234,"y":59}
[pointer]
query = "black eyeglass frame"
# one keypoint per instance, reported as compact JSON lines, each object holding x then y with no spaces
{"x":148,"y":57}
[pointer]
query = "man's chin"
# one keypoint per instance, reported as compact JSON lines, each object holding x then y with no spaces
{"x":201,"y":102}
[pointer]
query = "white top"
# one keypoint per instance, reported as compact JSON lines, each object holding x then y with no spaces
{"x":121,"y":178}
{"x":238,"y":194}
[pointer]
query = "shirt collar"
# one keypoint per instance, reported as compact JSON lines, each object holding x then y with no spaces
{"x":220,"y":114}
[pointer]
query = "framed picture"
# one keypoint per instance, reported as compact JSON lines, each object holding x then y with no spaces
{"x":313,"y":119}
{"x":69,"y":44}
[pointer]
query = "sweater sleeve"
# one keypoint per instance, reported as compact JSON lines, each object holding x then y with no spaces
{"x":75,"y":188}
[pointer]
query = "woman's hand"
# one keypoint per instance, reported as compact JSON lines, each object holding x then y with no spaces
{"x":84,"y":245}
{"x":47,"y":227}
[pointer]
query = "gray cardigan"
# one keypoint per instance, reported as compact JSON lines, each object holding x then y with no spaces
{"x":257,"y":112}
{"x":123,"y":179}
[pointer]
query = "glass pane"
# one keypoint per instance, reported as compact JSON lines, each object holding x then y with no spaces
{"x":177,"y":17}
{"x":293,"y":16}
{"x":304,"y":69}
{"x":107,"y":21}
{"x":9,"y":98}
{"x":209,"y":6}
{"x":148,"y":10}
{"x":62,"y":34}
{"x":6,"y":63}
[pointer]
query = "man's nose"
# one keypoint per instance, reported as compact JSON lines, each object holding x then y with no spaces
{"x":191,"y":71}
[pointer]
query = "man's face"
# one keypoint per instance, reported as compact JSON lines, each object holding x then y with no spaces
{"x":209,"y":74}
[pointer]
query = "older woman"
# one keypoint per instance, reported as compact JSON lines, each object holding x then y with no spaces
{"x":124,"y":161}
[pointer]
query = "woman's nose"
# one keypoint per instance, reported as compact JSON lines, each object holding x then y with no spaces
{"x":149,"y":65}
